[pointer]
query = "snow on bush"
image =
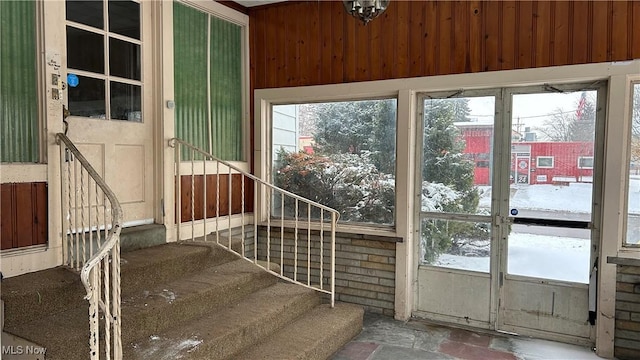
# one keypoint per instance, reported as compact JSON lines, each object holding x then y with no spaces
{"x":349,"y":183}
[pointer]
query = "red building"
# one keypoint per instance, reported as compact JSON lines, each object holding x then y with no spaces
{"x":532,"y":162}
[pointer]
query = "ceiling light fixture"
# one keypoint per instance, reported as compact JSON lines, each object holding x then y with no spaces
{"x":366,"y":10}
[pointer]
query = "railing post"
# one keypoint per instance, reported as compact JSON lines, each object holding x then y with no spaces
{"x":102,"y":286}
{"x":178,"y":190}
{"x":333,"y":259}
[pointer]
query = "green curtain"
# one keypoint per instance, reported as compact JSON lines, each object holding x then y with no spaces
{"x":215,"y":126}
{"x":190,"y":80}
{"x":226,"y":89}
{"x":19,"y":138}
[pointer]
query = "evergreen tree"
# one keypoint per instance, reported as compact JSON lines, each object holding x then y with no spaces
{"x":443,"y":158}
{"x":444,"y":164}
{"x":358,"y":126}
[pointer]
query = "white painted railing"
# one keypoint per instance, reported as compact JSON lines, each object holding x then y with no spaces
{"x":216,"y":207}
{"x":92,"y":220}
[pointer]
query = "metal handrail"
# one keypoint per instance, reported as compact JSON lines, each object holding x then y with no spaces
{"x":308,"y":204}
{"x":173,"y":141}
{"x":95,"y":270}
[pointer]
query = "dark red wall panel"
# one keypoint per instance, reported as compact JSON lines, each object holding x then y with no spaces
{"x":23,"y":214}
{"x":217,"y":196}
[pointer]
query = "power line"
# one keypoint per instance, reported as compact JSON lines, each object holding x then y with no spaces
{"x":532,"y":116}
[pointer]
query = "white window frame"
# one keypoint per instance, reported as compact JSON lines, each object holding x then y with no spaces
{"x":580,"y":158}
{"x":108,"y":78}
{"x":545,"y":157}
{"x":628,"y":249}
{"x":362,"y":227}
{"x":233,"y":16}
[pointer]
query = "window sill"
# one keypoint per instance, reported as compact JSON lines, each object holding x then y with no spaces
{"x":373,"y":232}
{"x":625,"y":259}
{"x":23,"y":172}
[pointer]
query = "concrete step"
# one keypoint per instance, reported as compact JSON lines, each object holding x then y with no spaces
{"x":39,"y":294}
{"x":165,"y":263}
{"x":226,"y":332}
{"x":138,"y":237}
{"x":150,"y":310}
{"x":314,"y":336}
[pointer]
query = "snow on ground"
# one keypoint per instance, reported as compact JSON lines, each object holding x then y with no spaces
{"x":542,"y":256}
{"x":546,"y":256}
{"x":574,"y":198}
{"x":532,"y":349}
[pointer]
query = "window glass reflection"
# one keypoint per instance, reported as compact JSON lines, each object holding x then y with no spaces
{"x":86,"y":12}
{"x":124,"y":18}
{"x":124,"y":59}
{"x":85,"y":50}
{"x":88,"y":98}
{"x":126,"y":102}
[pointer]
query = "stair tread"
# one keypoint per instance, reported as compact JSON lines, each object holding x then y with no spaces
{"x":315,"y":335}
{"x":191,"y":296}
{"x":158,"y":295}
{"x":147,"y":256}
{"x":45,"y":279}
{"x":222,"y":328}
{"x":152,"y":304}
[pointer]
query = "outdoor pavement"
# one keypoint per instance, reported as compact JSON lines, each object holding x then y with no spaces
{"x":384,"y":338}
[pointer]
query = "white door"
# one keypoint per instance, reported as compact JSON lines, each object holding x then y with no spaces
{"x":508,"y":244}
{"x":547,"y":237}
{"x":108,"y":58}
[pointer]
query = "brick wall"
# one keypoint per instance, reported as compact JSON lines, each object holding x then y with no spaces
{"x":627,"y":333}
{"x":365,"y":265}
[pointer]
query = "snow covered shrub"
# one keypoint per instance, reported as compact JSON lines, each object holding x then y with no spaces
{"x":349,"y":183}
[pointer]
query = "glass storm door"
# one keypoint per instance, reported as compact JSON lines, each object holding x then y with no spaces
{"x":547,"y":254}
{"x":507,"y":184}
{"x":456,"y":228}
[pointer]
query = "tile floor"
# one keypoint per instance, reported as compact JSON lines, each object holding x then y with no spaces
{"x":384,"y":338}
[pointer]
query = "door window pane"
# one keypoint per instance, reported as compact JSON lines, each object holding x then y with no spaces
{"x":456,"y":244}
{"x":124,"y":18}
{"x":458,"y":155}
{"x":124,"y":59}
{"x":86,"y":12}
{"x":85,"y":50}
{"x":126,"y":103}
{"x":339,"y":154}
{"x":552,"y":152}
{"x":633,"y":203}
{"x":549,"y":253}
{"x":88,"y":98}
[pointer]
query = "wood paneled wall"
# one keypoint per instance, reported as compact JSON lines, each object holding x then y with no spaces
{"x":315,"y":42}
{"x":23,"y":214}
{"x":212,"y":191}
